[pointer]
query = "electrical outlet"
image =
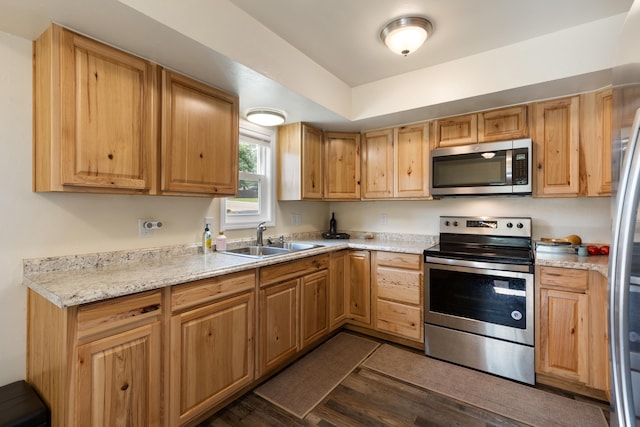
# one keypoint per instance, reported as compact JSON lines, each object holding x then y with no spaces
{"x":208,"y":220}
{"x":142,"y":230}
{"x":384,"y":218}
{"x":296,"y":219}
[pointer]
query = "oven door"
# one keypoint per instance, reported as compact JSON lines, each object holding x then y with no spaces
{"x":480,"y":298}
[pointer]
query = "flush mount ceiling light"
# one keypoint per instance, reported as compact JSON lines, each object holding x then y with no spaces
{"x":266,"y":116}
{"x":405,"y":35}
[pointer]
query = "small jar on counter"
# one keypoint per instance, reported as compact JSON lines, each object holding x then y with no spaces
{"x":221,"y":242}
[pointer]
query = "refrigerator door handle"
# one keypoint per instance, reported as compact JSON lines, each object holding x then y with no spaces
{"x":619,"y":280}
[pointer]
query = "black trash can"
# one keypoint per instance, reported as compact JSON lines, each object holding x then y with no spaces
{"x":20,"y":406}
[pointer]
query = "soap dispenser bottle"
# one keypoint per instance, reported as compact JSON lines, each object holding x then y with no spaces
{"x":333,"y":225}
{"x":206,"y":240}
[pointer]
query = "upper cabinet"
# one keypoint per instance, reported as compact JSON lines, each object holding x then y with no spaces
{"x":556,"y":136}
{"x":596,"y":113}
{"x":97,"y":127}
{"x":395,"y":163}
{"x":198,"y":124}
{"x":94,"y":116}
{"x":299,"y":162}
{"x":342,"y":166}
{"x":495,"y":125}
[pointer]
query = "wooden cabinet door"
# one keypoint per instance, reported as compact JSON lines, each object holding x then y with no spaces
{"x":299,"y":162}
{"x":564,"y":340}
{"x":412,"y":161}
{"x":94,"y":116}
{"x":596,"y":111}
{"x":278,"y":324}
{"x":212,"y":355}
{"x":458,"y":130}
{"x":338,"y":297}
{"x":503,"y":124}
{"x":342,"y":166}
{"x":312,"y":177}
{"x":556,"y":141}
{"x":118,"y":379}
{"x":359,"y":283}
{"x":199,"y":138}
{"x":378,"y":165}
{"x":314,"y":307}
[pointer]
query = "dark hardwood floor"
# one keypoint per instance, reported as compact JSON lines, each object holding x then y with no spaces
{"x":367,"y":398}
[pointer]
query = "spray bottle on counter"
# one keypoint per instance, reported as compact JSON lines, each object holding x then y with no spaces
{"x":206,"y":240}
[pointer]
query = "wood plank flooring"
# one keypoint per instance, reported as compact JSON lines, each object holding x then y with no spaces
{"x":366,"y":398}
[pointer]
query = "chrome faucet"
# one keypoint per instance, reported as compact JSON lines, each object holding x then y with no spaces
{"x":259,"y":230}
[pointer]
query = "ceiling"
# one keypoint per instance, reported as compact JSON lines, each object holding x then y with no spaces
{"x":343,"y":36}
{"x":309,"y":57}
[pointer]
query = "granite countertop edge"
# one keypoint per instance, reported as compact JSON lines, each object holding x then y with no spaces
{"x":76,"y":286}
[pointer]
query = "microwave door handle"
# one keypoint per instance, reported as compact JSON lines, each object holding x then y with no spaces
{"x":509,"y":167}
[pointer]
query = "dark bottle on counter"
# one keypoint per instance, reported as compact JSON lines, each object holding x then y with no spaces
{"x":332,"y":225}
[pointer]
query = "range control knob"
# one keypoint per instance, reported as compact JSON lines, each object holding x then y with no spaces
{"x":520,"y":225}
{"x":455,"y":223}
{"x":447,"y":223}
{"x":509,"y":225}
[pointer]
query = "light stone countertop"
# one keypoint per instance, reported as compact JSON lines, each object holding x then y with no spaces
{"x":75,"y":280}
{"x":598,"y":263}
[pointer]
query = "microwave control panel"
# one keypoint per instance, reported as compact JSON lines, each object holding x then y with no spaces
{"x":520,"y":166}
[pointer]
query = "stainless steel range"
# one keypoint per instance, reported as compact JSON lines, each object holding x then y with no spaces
{"x":478,"y":291}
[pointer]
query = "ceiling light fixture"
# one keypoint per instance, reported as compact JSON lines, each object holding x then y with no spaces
{"x":405,"y":35}
{"x":266,"y":116}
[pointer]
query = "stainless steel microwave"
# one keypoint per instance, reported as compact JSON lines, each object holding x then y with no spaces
{"x":491,"y":168}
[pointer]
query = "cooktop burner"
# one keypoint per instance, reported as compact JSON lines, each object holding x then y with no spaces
{"x":497,"y":240}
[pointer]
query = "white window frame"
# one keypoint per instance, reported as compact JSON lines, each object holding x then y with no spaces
{"x":267,"y":138}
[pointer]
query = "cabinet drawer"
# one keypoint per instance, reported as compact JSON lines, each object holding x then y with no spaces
{"x":401,"y":260}
{"x":399,"y":319}
{"x":118,"y":314}
{"x":399,"y":285}
{"x":564,"y":278}
{"x":207,"y":290}
{"x":290,"y":270}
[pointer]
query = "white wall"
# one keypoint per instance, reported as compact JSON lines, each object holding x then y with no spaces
{"x":586,"y":217}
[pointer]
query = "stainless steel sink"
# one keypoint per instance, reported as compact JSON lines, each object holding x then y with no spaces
{"x":271,"y":250}
{"x":293,"y":246}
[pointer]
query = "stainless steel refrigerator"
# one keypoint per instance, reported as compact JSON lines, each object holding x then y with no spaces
{"x":624,"y":259}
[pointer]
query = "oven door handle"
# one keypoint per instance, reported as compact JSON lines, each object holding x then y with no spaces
{"x":478,"y":264}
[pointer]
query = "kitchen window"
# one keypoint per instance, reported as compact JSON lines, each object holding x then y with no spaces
{"x":255,"y":200}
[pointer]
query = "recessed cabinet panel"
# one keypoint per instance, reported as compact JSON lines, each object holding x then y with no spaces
{"x":503,"y":124}
{"x":377,"y":165}
{"x":458,"y":130}
{"x":94,"y":116}
{"x":199,"y":138}
{"x":556,"y":139}
{"x":412,"y":161}
{"x":342,"y":166}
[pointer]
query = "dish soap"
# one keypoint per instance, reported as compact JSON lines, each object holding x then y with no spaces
{"x":206,"y":240}
{"x":221,"y":242}
{"x":333,"y":225}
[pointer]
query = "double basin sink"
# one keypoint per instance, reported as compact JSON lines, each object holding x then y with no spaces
{"x":271,"y":250}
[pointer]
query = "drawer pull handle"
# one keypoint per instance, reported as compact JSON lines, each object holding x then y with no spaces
{"x":150,"y":308}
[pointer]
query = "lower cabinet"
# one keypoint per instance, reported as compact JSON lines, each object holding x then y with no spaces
{"x":571,"y":330}
{"x":211,"y":343}
{"x":398,"y":294}
{"x":294,"y":309}
{"x":358,"y":279}
{"x":100,"y":363}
